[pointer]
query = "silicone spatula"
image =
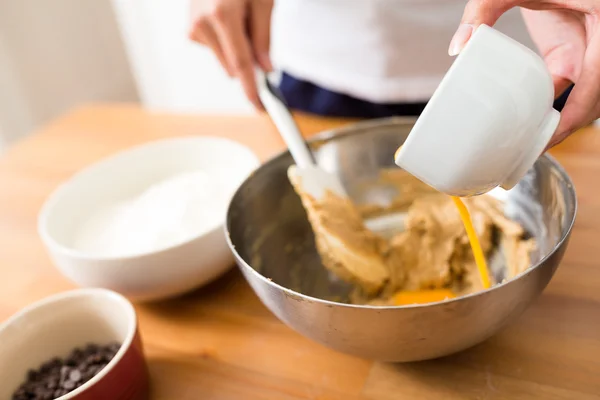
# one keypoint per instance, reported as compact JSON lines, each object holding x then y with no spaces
{"x":306,"y":173}
{"x":313,"y":179}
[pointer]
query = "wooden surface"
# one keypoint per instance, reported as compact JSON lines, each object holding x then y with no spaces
{"x":221,"y":343}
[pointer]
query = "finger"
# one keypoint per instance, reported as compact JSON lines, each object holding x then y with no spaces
{"x":260,"y":31}
{"x":583,"y":104}
{"x":230,"y":28}
{"x":204,"y":33}
{"x":561,"y":39}
{"x":197,"y":8}
{"x":560,"y":85}
{"x":478,"y":12}
{"x":564,"y":67}
{"x":199,"y":11}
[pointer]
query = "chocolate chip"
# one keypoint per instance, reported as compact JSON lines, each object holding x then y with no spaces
{"x":75,"y":375}
{"x":32,"y":375}
{"x":64,"y":371}
{"x":71,"y":362}
{"x":42,"y":393}
{"x":52,"y":383}
{"x":20,"y":394}
{"x":91,"y":348}
{"x":77,"y":354}
{"x":93,"y":370}
{"x":95,"y":358}
{"x":57,"y":377}
{"x":47,"y":366}
{"x":114,"y":347}
{"x":68,"y":384}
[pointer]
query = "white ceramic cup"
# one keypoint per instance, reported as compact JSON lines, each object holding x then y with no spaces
{"x":488,"y":121}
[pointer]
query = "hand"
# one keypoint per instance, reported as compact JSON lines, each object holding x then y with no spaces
{"x":567,"y":33}
{"x":238,"y":33}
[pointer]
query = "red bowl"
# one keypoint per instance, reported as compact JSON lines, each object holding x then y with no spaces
{"x":53,"y":327}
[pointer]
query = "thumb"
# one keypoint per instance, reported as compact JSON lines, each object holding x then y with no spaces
{"x":583,"y":104}
{"x":478,"y":12}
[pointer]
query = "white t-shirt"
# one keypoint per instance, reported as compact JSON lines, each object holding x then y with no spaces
{"x":384,"y":51}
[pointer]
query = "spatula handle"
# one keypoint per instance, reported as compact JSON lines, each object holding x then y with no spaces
{"x":274,"y":103}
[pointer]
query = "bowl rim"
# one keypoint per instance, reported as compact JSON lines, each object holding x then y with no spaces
{"x":357,"y":128}
{"x":73,"y":295}
{"x":55,"y":196}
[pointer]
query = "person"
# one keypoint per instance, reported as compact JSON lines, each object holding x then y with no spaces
{"x":378,"y":58}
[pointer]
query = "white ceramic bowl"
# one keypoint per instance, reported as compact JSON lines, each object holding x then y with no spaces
{"x":152,"y":275}
{"x":487,"y":122}
{"x":55,"y":326}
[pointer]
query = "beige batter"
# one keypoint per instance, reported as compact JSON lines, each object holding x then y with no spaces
{"x":433,"y":251}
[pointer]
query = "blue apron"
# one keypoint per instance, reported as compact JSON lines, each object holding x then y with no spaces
{"x":305,"y":96}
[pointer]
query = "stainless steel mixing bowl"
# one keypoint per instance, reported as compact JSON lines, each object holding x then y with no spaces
{"x":273,"y":244}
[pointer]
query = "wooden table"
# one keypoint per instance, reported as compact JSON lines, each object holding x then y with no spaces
{"x":221,"y":343}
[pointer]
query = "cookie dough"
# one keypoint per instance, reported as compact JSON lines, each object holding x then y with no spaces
{"x":431,"y":258}
{"x":346,"y":247}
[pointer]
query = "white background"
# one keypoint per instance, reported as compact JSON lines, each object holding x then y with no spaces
{"x":57,"y":54}
{"x":172,"y":72}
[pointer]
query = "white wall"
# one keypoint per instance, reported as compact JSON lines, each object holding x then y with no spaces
{"x":173,"y":73}
{"x":55,"y":54}
{"x":15,"y":113}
